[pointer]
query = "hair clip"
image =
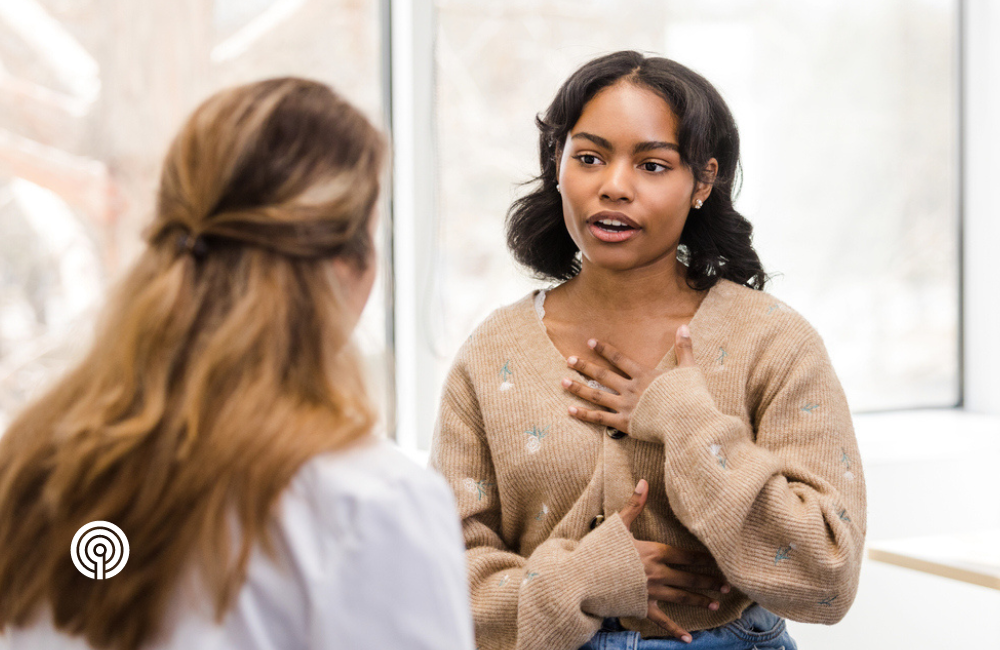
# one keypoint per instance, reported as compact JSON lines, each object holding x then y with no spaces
{"x":193,"y":245}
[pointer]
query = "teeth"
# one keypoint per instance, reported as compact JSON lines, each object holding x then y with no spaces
{"x":611,"y":222}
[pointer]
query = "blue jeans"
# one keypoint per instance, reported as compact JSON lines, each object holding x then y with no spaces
{"x":756,"y":629}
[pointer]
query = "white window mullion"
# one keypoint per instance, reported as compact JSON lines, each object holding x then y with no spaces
{"x":981,"y":56}
{"x":414,"y":205}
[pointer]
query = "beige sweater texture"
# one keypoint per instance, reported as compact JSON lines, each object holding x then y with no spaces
{"x":751,"y":455}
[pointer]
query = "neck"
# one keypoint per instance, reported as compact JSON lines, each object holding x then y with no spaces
{"x":655,"y":291}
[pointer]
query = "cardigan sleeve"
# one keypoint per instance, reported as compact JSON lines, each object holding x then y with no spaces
{"x":554,"y":599}
{"x":778,"y":498}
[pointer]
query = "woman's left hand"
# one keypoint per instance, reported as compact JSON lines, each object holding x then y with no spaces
{"x":629,"y":388}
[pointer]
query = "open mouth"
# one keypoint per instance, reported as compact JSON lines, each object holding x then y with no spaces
{"x":613,"y":225}
{"x":611,"y":229}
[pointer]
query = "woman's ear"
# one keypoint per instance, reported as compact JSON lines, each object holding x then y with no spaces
{"x":703,"y":188}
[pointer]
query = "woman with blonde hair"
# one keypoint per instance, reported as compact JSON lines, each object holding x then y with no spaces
{"x":220,"y":421}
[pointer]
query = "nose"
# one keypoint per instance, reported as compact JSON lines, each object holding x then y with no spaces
{"x":617,"y":184}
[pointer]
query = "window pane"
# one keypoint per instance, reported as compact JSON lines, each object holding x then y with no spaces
{"x":848,"y":116}
{"x":92,"y":91}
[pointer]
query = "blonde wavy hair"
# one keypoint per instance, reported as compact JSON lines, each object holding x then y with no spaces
{"x":220,"y":366}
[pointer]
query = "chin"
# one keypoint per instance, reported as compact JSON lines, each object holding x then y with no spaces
{"x":617,"y":262}
{"x":622,"y":259}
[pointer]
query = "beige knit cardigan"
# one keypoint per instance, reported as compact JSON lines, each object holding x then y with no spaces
{"x":751,"y":455}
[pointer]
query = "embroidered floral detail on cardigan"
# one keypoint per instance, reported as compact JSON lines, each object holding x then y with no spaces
{"x":503,"y":580}
{"x":810,"y":407}
{"x":721,"y":359}
{"x":845,"y":460}
{"x":843,"y":514}
{"x":542,"y":513}
{"x":472,"y":486}
{"x":535,"y":436}
{"x":777,"y":307}
{"x":528,"y":577}
{"x":719,"y":456}
{"x":784,"y":553}
{"x":505,"y":375}
{"x":828,"y":601}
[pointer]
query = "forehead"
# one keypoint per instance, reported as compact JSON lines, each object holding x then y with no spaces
{"x":627,"y":114}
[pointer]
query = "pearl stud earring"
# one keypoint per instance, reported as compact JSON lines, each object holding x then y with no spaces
{"x":698,"y":203}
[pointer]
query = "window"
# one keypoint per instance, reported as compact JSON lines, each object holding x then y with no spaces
{"x":91,"y":93}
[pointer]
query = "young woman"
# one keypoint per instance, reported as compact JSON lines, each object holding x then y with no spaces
{"x":219,"y":420}
{"x":654,"y":452}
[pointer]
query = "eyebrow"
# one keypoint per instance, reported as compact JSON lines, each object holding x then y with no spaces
{"x":639,"y":148}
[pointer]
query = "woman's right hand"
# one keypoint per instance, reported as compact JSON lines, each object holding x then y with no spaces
{"x":665,"y":583}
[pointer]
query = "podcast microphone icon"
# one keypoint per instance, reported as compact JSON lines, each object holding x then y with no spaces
{"x":99,"y":550}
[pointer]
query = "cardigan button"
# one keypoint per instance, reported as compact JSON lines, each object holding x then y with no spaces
{"x":596,"y":521}
{"x":615,"y":434}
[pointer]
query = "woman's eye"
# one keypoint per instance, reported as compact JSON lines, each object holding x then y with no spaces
{"x":588,"y":159}
{"x":653,"y":167}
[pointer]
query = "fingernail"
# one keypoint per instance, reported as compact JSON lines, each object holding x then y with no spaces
{"x":640,"y":487}
{"x":592,"y":343}
{"x":572,"y":361}
{"x":572,"y":410}
{"x":684,"y":331}
{"x":686,"y":638}
{"x":725,"y":589}
{"x":713,"y":606}
{"x":566,"y":383}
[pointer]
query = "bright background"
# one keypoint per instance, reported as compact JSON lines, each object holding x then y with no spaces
{"x":868,"y":153}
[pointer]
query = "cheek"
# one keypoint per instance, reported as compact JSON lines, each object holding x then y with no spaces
{"x":674,"y":202}
{"x":366,"y":280}
{"x":574,"y":213}
{"x":575,"y":193}
{"x":370,"y":273}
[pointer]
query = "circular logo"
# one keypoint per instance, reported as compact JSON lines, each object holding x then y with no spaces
{"x":99,"y":550}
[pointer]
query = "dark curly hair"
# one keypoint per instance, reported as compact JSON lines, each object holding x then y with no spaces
{"x":716,"y":240}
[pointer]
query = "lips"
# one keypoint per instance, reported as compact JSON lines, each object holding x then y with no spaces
{"x":612,"y":227}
